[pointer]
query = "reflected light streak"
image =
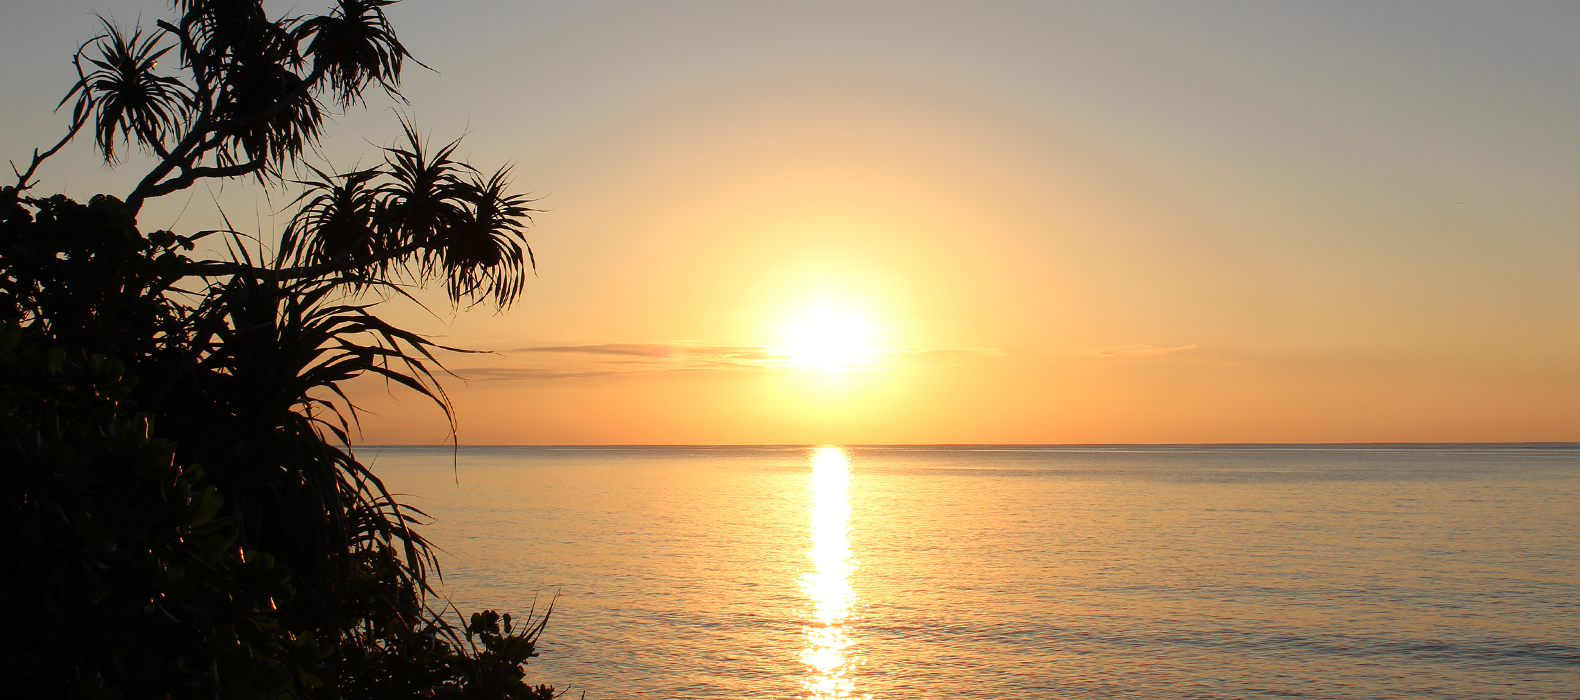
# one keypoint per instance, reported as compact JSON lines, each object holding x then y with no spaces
{"x":826,"y":635}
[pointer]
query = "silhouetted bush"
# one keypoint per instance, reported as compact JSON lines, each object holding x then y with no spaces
{"x":183,"y":514}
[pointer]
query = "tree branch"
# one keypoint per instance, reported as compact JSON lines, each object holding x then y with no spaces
{"x":193,"y":146}
{"x":185,"y":152}
{"x":189,"y":176}
{"x":189,"y":49}
{"x":22,"y":179}
{"x":217,"y":268}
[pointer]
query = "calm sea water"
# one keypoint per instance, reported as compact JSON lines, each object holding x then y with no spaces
{"x":1354,"y":572}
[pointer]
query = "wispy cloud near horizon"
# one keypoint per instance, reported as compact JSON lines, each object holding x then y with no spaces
{"x":606,"y":359}
{"x":742,"y":353}
{"x":1130,"y":351}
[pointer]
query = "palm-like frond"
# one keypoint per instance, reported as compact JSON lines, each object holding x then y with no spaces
{"x":221,"y":27}
{"x":282,"y":360}
{"x":288,"y":343}
{"x":264,"y":111}
{"x":486,"y":255}
{"x":353,"y":46}
{"x":335,"y":220}
{"x":425,"y":196}
{"x":432,"y":219}
{"x":124,"y":95}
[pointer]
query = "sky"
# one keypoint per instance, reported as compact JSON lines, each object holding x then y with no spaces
{"x":984,"y":222}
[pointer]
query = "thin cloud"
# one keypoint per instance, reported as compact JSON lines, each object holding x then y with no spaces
{"x":606,"y":359}
{"x":1132,"y":351}
{"x":945,"y":354}
{"x":485,"y":374}
{"x":657,"y":350}
{"x":623,"y":349}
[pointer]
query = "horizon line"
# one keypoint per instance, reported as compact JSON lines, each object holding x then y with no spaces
{"x":994,"y":444}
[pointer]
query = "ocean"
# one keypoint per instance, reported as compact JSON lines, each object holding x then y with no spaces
{"x":1351,"y":572}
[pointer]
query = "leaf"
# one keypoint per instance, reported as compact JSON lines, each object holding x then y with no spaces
{"x":56,"y":360}
{"x":205,"y":509}
{"x":10,"y":339}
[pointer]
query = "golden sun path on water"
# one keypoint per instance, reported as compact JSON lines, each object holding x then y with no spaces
{"x":826,"y":649}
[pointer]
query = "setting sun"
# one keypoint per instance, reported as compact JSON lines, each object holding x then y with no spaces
{"x":829,"y":339}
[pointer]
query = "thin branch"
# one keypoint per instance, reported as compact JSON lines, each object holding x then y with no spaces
{"x":189,"y":49}
{"x":194,"y":146}
{"x":217,"y":268}
{"x":22,"y":179}
{"x":189,"y":176}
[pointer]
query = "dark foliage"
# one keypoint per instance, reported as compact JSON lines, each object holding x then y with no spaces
{"x":185,"y":515}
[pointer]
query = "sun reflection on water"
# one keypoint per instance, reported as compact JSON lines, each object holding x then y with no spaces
{"x":827,"y":641}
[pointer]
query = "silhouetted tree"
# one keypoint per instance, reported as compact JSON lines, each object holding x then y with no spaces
{"x":182,"y":514}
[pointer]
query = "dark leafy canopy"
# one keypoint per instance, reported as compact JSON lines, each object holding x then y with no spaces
{"x":184,"y":515}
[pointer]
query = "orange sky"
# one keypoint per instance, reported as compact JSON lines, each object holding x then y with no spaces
{"x":1056,"y":223}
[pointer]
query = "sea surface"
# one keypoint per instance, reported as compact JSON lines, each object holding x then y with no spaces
{"x":1345,"y":572}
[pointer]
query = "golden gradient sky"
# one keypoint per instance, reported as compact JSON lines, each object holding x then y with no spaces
{"x":1065,"y":222}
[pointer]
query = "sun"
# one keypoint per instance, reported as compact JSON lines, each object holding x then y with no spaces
{"x":829,"y":339}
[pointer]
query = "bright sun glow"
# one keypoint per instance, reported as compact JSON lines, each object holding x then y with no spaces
{"x":829,"y":339}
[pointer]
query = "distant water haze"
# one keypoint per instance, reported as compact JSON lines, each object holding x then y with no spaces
{"x":1013,"y":572}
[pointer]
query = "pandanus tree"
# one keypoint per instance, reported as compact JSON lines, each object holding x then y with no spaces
{"x":184,"y":514}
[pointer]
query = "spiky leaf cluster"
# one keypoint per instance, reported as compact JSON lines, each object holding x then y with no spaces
{"x":423,"y":216}
{"x":126,"y":100}
{"x":248,"y":96}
